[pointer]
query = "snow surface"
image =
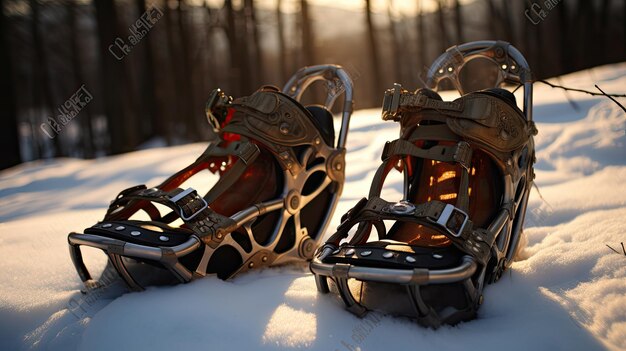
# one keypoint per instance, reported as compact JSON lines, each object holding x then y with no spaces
{"x":567,"y":291}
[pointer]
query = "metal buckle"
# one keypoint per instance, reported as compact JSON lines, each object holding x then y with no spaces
{"x":184,"y":193}
{"x":216,"y":97}
{"x":463,"y":154}
{"x":402,"y":208}
{"x":391,"y":102}
{"x":450,"y":212}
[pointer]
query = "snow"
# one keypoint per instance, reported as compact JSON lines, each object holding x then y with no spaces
{"x":567,"y":291}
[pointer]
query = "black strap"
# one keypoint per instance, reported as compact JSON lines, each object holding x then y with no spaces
{"x":460,"y":153}
{"x":435,"y":214}
{"x":190,"y":207}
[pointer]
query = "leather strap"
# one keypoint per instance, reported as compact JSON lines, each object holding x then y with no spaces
{"x":397,"y":100}
{"x":460,"y":153}
{"x":246,"y":153}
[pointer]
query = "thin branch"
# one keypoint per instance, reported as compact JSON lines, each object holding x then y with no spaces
{"x":578,"y":90}
{"x":617,"y":252}
{"x":618,"y":104}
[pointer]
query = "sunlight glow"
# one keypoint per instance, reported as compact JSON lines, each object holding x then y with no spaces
{"x":446,"y":175}
{"x":447,"y":196}
{"x":289,"y":327}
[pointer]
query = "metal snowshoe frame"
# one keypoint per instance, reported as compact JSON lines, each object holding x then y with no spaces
{"x":513,"y":68}
{"x":188,"y":204}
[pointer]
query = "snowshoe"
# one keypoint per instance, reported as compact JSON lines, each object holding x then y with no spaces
{"x":280,"y":173}
{"x":468,"y":169}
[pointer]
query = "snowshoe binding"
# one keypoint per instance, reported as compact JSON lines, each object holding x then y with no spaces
{"x":280,"y":174}
{"x":468,"y":169}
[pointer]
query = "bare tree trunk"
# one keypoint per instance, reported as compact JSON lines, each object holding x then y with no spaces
{"x":187,"y":79}
{"x":566,"y":49}
{"x":492,"y":18}
{"x":395,"y":45}
{"x":154,"y":124}
{"x":257,"y":56}
{"x":604,"y":28}
{"x":43,"y":90}
{"x":585,"y":15}
{"x":231,"y":33}
{"x":444,"y":40}
{"x":9,"y":133}
{"x":458,"y":18}
{"x":421,"y":36}
{"x":377,"y":87}
{"x":509,"y":30}
{"x":282,"y":50}
{"x":86,"y":137}
{"x":308,"y":42}
{"x":528,"y":39}
{"x":112,"y":77}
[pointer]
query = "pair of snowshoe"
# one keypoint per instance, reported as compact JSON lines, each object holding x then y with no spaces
{"x":467,"y":167}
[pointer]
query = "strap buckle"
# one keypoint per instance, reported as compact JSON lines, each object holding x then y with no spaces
{"x":181,"y":195}
{"x":463,"y":154}
{"x":216,"y":97}
{"x":391,"y":103}
{"x":453,"y":220}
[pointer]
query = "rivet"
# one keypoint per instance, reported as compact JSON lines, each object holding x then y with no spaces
{"x":402,"y":208}
{"x":219,"y":235}
{"x":120,"y":227}
{"x":264,"y":259}
{"x":410,"y":259}
{"x":135,"y":233}
{"x":388,"y":254}
{"x":251,"y":264}
{"x":164,"y":238}
{"x":437,"y":256}
{"x":107,"y":225}
{"x":294,"y":202}
{"x":317,"y":141}
{"x":366,"y":253}
{"x":284,"y":128}
{"x":338,"y":166}
{"x":349,"y":252}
